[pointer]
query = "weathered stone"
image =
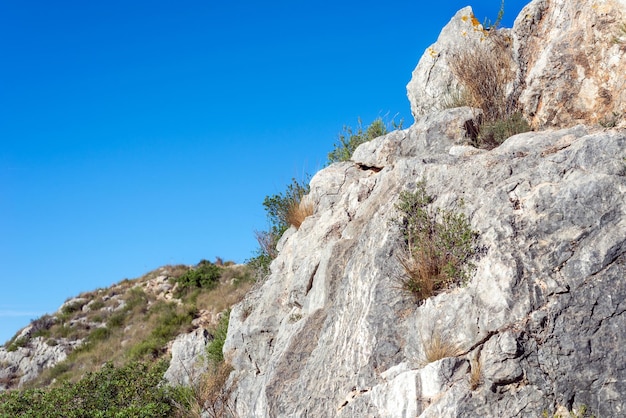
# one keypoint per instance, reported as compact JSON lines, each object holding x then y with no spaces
{"x":432,"y":84}
{"x":188,"y":358}
{"x":331,"y":334}
{"x":571,"y":58}
{"x":27,"y":362}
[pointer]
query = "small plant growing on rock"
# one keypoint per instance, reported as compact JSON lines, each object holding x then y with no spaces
{"x":349,"y":139}
{"x":283,"y":210}
{"x":484,"y":73}
{"x":206,"y":275}
{"x":437,"y":247}
{"x":214,"y":349}
{"x":475,"y":377}
{"x":439,"y":347}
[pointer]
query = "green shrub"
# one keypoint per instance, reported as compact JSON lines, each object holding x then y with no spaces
{"x":206,"y":275}
{"x":136,"y":299}
{"x":17,"y":343}
{"x":492,"y":134}
{"x":215,"y":347}
{"x":278,"y":206}
{"x":99,"y":334}
{"x":170,"y":321}
{"x":72,"y":307}
{"x":281,"y":212}
{"x":116,"y":320}
{"x":348,"y":140}
{"x":437,"y":245}
{"x":134,"y":390}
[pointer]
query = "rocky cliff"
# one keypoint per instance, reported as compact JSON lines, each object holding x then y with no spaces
{"x":538,"y":328}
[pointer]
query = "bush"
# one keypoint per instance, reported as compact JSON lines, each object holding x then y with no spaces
{"x":209,"y":396}
{"x":280,"y":207}
{"x":282,"y":210}
{"x":348,"y":140}
{"x":170,"y":321}
{"x":215,"y":347}
{"x":492,"y":134}
{"x":17,"y":343}
{"x":135,"y":390}
{"x":206,"y":275}
{"x":483,"y":73}
{"x":437,"y":245}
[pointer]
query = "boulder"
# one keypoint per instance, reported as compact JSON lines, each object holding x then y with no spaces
{"x":432,"y":84}
{"x":188,"y":358}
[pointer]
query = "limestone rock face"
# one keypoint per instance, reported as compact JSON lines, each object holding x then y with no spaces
{"x":569,"y":58}
{"x":26,"y":363}
{"x":432,"y":84}
{"x":188,"y":358}
{"x":572,"y":61}
{"x":539,"y":326}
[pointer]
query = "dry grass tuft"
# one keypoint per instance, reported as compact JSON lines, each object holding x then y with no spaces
{"x":484,"y":72}
{"x":423,"y":277}
{"x":475,"y":377}
{"x":439,"y":347}
{"x":298,"y":211}
{"x":210,"y":395}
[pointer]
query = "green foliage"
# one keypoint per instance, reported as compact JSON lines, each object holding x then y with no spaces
{"x":206,"y":275}
{"x":215,"y":347}
{"x":492,"y":134}
{"x":136,"y":299}
{"x":17,"y":343}
{"x":277,"y":206}
{"x":116,"y":320}
{"x":170,"y":322}
{"x":349,"y":139}
{"x":135,"y":390}
{"x":437,"y":245}
{"x":488,"y":25}
{"x":99,"y":334}
{"x":611,"y":121}
{"x":278,"y":209}
{"x":581,"y":412}
{"x":72,"y":307}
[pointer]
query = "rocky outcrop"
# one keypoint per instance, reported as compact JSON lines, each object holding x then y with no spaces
{"x":188,"y":361}
{"x":24,"y":364}
{"x":432,"y":84}
{"x":569,"y":58}
{"x":572,"y":61}
{"x":541,"y":321}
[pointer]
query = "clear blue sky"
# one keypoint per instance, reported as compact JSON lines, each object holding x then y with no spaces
{"x":135,"y":134}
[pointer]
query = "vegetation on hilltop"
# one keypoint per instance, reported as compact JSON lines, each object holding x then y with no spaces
{"x":127,"y":328}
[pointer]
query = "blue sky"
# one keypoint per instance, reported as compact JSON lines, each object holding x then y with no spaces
{"x":135,"y":134}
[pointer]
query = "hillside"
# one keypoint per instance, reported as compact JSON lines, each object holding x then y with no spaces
{"x":132,"y":321}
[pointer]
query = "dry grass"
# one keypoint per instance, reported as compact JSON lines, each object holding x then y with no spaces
{"x":484,"y":72}
{"x":223,"y":297}
{"x":267,"y":243}
{"x":438,"y":347}
{"x":298,"y":210}
{"x":422,"y":274}
{"x":210,"y":395}
{"x":475,"y":377}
